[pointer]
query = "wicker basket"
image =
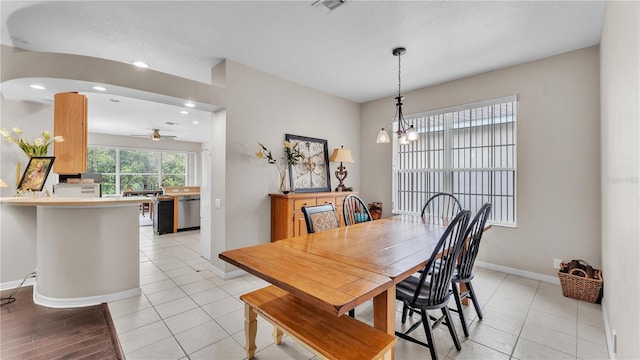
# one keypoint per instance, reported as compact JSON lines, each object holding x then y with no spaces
{"x":580,"y":287}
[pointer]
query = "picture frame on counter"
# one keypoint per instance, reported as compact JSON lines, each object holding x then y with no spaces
{"x":36,"y":173}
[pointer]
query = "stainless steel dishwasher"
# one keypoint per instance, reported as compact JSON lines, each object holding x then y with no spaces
{"x":188,"y":212}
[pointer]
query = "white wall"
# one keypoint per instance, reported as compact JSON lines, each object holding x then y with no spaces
{"x":558,"y":159}
{"x":17,"y":243}
{"x":262,"y":107}
{"x":620,"y":96}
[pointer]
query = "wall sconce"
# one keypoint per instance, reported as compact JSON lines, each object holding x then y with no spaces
{"x":341,"y":155}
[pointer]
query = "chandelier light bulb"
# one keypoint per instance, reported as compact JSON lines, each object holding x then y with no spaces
{"x":402,"y":140}
{"x":412,"y":134}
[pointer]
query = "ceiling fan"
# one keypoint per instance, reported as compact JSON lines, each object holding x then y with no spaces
{"x":155,"y":135}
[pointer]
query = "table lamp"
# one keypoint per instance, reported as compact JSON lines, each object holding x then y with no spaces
{"x":341,"y":155}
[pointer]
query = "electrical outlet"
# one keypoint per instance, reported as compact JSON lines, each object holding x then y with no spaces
{"x":556,"y":263}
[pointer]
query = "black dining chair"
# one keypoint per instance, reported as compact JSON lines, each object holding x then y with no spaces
{"x":463,"y":273}
{"x":440,"y":207}
{"x":320,"y":218}
{"x":355,"y":210}
{"x":432,"y":289}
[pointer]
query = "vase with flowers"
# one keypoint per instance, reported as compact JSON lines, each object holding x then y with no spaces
{"x":292,"y":156}
{"x":39,"y":146}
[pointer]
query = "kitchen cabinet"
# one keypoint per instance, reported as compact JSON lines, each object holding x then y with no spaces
{"x":70,"y":122}
{"x":287,"y":219}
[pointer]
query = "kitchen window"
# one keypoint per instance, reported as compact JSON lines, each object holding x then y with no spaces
{"x":468,"y":151}
{"x":137,"y":169}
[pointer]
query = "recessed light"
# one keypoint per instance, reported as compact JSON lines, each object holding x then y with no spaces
{"x":100,"y":88}
{"x":190,"y":104}
{"x":37,"y":86}
{"x":141,"y":64}
{"x":185,"y":112}
{"x":195,"y":122}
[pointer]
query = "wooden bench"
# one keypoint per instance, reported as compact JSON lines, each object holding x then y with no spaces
{"x":326,"y":335}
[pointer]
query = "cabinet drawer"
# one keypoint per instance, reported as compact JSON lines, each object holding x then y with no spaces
{"x":327,"y":200}
{"x":298,"y":204}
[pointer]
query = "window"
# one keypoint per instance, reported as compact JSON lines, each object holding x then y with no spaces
{"x":137,"y":169}
{"x":468,"y":151}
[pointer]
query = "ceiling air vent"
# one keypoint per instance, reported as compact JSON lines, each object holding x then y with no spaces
{"x":328,"y":5}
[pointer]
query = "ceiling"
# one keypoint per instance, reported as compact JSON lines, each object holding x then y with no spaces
{"x":345,"y":52}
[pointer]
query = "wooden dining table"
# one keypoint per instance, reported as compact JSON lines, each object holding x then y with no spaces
{"x":341,"y":268}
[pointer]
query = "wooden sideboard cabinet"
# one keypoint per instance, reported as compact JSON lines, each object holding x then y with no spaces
{"x":287,"y":219}
{"x":70,"y":121}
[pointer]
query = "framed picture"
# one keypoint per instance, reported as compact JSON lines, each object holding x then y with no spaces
{"x":312,"y":175}
{"x":36,"y":173}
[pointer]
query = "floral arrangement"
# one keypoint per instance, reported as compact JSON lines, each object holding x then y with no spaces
{"x":39,"y":147}
{"x":292,"y":156}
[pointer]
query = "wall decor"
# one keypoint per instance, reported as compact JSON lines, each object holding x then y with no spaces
{"x":36,"y":173}
{"x":312,"y":174}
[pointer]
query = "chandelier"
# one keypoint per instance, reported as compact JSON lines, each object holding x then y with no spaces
{"x":406,"y":132}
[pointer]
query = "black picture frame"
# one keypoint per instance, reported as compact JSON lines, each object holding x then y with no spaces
{"x":35,"y":174}
{"x":313,"y":174}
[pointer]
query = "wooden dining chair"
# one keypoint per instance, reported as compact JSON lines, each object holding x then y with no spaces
{"x":432,"y":290}
{"x":463,"y":273}
{"x":320,"y":218}
{"x":440,"y":207}
{"x":355,"y":210}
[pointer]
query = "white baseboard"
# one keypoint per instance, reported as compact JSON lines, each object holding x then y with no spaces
{"x":14,"y":284}
{"x":607,"y":330}
{"x":518,"y":272}
{"x":226,"y":275}
{"x":83,"y":301}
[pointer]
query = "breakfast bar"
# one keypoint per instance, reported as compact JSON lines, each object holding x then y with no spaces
{"x":87,"y":249}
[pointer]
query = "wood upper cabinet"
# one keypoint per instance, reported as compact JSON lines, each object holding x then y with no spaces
{"x":287,"y":219}
{"x":70,"y":121}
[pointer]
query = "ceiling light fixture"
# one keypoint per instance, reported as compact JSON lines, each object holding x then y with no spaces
{"x":37,"y":87}
{"x":190,"y":104}
{"x":99,"y":88}
{"x":184,"y":112}
{"x":406,"y":132}
{"x":195,"y":122}
{"x":141,"y":64}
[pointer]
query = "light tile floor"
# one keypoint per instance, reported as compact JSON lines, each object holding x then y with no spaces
{"x":187,"y":312}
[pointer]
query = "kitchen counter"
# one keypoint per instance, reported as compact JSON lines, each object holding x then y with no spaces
{"x":69,"y":201}
{"x":87,"y":249}
{"x":179,"y":212}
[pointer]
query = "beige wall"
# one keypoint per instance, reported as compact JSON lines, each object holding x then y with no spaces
{"x":262,"y":107}
{"x":620,"y":96}
{"x":558,"y":181}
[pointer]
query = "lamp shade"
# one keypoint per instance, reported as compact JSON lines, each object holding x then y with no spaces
{"x":341,"y":155}
{"x":3,"y":184}
{"x":383,"y":137}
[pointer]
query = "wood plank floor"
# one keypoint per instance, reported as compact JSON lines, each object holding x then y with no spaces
{"x":30,"y":331}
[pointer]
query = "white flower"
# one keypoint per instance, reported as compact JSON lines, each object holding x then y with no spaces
{"x":58,"y":138}
{"x":38,"y":142}
{"x":5,"y":133}
{"x":17,"y":130}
